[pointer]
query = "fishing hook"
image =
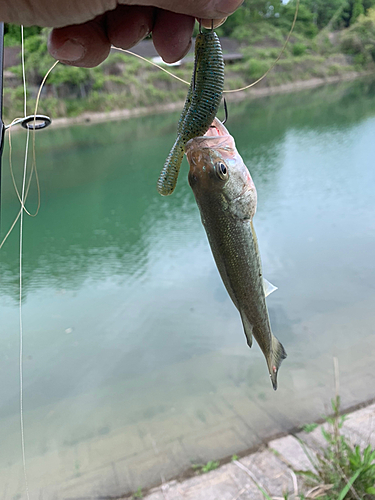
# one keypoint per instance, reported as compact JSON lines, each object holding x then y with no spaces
{"x":225,"y":111}
{"x":200,"y":25}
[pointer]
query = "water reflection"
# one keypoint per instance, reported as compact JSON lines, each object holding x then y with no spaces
{"x":98,"y":182}
{"x":129,"y":332}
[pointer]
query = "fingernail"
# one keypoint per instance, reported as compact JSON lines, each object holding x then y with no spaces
{"x":213,"y":23}
{"x":71,"y":50}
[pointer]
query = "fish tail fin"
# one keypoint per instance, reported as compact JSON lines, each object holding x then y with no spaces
{"x":168,"y":176}
{"x":277,"y":355}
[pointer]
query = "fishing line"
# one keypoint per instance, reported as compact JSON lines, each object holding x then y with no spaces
{"x":20,"y":273}
{"x":152,"y":63}
{"x":232,"y":90}
{"x":22,"y":198}
{"x":33,"y":165}
{"x":11,"y":168}
{"x":25,"y":122}
{"x":278,"y":57}
{"x":33,"y":168}
{"x":21,"y":326}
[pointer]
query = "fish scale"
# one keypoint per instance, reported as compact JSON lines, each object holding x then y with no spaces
{"x":201,"y":105}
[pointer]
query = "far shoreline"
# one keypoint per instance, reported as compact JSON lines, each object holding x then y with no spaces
{"x":252,"y":93}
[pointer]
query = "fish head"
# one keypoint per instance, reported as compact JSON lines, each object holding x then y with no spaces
{"x":217,"y":171}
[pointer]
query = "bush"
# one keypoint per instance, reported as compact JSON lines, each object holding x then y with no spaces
{"x":258,"y":32}
{"x":359,"y":39}
{"x":299,"y":49}
{"x":351,"y":43}
{"x":257,"y":68}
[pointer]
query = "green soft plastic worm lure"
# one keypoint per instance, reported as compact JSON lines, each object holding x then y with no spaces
{"x":202,"y":102}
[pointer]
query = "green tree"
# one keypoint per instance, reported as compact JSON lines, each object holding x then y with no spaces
{"x":359,"y":39}
{"x":12,"y":34}
{"x":251,"y":11}
{"x":261,"y":9}
{"x":323,"y":10}
{"x":352,"y":9}
{"x":368,"y":4}
{"x":305,"y":20}
{"x":358,"y":9}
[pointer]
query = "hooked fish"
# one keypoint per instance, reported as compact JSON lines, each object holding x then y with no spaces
{"x":200,"y":107}
{"x":227,"y":200}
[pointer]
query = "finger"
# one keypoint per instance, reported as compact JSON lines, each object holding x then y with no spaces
{"x":57,"y":13}
{"x":85,"y":45}
{"x":172,"y":35}
{"x":127,"y":25}
{"x":212,"y":23}
{"x":53,"y":13}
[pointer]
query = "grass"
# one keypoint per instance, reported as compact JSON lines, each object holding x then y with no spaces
{"x":124,"y":82}
{"x":343,"y":471}
{"x":138,"y":493}
{"x":204,"y":468}
{"x":309,"y":427}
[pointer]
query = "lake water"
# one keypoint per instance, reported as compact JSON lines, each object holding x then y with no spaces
{"x":135,"y":362}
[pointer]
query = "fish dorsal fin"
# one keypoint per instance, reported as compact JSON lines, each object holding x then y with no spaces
{"x":248,"y":328}
{"x":268,"y":287}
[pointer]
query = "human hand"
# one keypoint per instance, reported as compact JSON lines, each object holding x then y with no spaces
{"x":84,"y":30}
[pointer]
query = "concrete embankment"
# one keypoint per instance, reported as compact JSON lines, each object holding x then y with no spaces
{"x":274,"y":468}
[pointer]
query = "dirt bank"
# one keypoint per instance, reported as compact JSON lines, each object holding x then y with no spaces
{"x":252,"y":93}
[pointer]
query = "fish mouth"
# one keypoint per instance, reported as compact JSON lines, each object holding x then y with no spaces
{"x":216,"y":138}
{"x":216,"y":129}
{"x":217,"y":145}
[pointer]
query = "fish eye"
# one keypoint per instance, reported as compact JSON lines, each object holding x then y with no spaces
{"x":221,"y":170}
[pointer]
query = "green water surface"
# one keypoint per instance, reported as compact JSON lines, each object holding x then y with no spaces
{"x":128,"y":330}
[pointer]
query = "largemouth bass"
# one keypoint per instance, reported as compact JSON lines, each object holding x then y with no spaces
{"x":227,"y":200}
{"x":200,"y":107}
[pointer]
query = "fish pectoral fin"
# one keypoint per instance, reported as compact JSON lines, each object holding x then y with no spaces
{"x":268,"y":287}
{"x":248,"y":329}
